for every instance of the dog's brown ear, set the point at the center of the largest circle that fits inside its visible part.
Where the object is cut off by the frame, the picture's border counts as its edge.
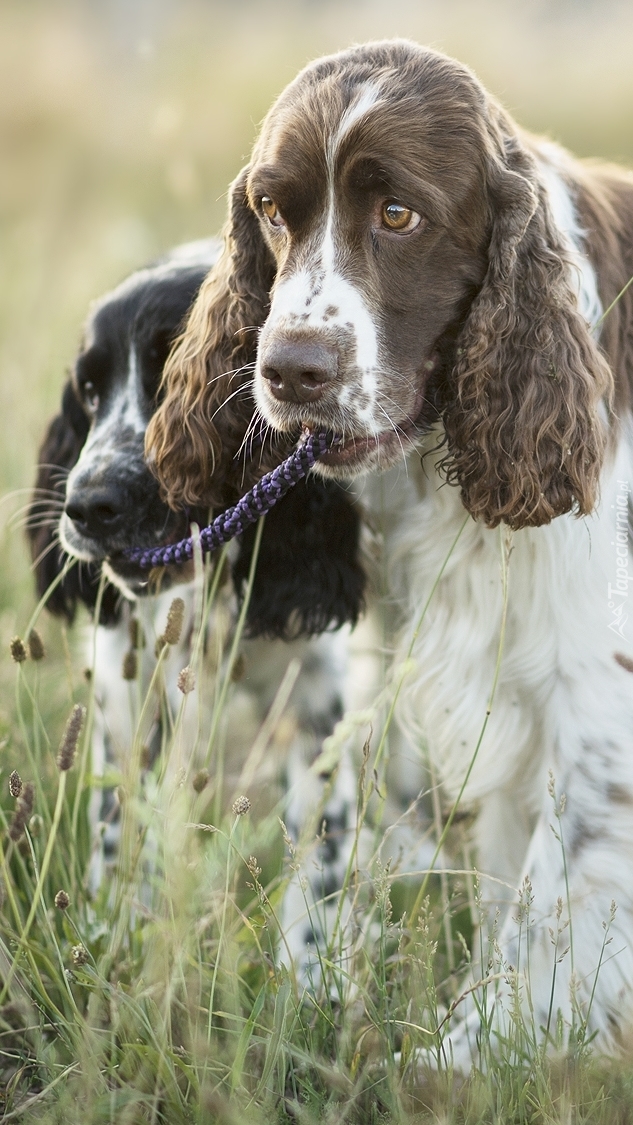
(202, 420)
(525, 438)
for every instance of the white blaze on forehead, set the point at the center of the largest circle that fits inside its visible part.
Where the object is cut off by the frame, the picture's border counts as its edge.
(368, 96)
(125, 412)
(133, 412)
(319, 297)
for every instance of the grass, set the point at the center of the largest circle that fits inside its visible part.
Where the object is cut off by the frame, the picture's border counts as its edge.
(162, 998)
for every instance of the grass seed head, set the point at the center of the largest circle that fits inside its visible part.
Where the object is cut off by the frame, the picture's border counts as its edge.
(62, 900)
(15, 784)
(186, 680)
(129, 670)
(23, 812)
(253, 866)
(36, 646)
(68, 744)
(175, 618)
(200, 780)
(135, 631)
(17, 649)
(79, 954)
(240, 806)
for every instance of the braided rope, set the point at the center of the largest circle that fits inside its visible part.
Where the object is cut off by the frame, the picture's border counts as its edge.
(260, 499)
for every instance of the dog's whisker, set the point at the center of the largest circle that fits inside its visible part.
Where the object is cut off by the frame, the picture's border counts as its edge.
(249, 435)
(33, 525)
(397, 430)
(244, 389)
(54, 544)
(33, 519)
(61, 470)
(232, 373)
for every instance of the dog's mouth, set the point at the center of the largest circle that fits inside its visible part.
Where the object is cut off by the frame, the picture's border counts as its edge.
(120, 562)
(114, 555)
(361, 448)
(371, 448)
(378, 449)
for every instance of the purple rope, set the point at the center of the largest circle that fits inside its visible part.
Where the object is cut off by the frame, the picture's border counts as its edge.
(260, 499)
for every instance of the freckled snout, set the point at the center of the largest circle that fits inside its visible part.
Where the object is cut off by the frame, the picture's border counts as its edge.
(298, 370)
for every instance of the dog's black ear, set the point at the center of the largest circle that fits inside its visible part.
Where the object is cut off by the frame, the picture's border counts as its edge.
(309, 575)
(63, 442)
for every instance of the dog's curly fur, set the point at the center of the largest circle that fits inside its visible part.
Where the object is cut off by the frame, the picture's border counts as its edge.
(525, 439)
(203, 420)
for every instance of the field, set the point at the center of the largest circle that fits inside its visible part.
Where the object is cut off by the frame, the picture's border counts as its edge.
(121, 126)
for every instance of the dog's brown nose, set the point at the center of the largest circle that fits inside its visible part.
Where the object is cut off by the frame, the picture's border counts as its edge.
(298, 371)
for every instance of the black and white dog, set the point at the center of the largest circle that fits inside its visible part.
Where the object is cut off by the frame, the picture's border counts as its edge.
(95, 497)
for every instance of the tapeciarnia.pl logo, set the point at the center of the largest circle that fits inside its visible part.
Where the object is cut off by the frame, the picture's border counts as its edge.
(618, 591)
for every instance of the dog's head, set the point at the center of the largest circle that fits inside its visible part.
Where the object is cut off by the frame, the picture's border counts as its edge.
(95, 495)
(392, 239)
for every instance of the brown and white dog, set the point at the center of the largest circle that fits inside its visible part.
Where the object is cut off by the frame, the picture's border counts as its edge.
(428, 278)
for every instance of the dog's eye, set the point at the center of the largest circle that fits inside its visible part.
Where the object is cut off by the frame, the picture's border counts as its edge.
(90, 396)
(395, 216)
(269, 207)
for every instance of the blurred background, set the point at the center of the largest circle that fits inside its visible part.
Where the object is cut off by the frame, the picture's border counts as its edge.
(123, 121)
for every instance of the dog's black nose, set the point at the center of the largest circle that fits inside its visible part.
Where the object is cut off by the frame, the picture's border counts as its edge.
(298, 371)
(96, 512)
